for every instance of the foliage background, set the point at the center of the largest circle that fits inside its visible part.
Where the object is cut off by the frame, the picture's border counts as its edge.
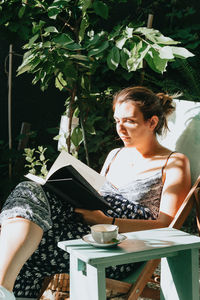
(177, 19)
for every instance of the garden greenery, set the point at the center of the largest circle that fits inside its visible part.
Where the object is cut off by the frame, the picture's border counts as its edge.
(72, 43)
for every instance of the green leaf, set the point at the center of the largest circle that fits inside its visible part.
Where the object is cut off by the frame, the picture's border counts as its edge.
(23, 69)
(77, 136)
(73, 46)
(21, 11)
(124, 56)
(63, 39)
(155, 36)
(70, 71)
(83, 27)
(60, 83)
(165, 52)
(37, 27)
(53, 12)
(79, 57)
(33, 39)
(155, 62)
(120, 42)
(113, 58)
(137, 55)
(94, 40)
(181, 52)
(101, 9)
(99, 49)
(85, 4)
(50, 29)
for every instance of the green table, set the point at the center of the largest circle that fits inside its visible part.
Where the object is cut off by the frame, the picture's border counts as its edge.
(179, 253)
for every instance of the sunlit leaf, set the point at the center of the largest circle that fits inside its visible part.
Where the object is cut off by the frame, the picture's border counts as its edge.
(166, 52)
(51, 29)
(181, 52)
(60, 83)
(155, 62)
(53, 12)
(120, 42)
(155, 36)
(33, 39)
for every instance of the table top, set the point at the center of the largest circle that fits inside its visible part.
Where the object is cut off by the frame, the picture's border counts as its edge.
(139, 246)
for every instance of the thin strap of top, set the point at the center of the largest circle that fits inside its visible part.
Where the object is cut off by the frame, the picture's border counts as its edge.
(163, 168)
(108, 167)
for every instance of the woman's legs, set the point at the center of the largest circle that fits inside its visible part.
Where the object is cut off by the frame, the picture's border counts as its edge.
(19, 238)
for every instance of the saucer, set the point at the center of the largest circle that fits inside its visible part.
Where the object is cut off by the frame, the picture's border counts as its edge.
(89, 239)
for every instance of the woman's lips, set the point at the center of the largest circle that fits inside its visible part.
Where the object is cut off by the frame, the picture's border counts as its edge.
(125, 137)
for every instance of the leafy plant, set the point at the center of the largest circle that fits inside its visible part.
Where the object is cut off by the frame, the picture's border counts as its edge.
(73, 44)
(35, 159)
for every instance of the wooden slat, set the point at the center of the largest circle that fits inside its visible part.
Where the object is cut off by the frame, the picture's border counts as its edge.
(197, 202)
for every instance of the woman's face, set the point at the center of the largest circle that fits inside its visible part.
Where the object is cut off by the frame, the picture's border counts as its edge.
(130, 124)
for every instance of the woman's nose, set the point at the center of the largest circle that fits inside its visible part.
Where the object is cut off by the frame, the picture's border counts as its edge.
(121, 126)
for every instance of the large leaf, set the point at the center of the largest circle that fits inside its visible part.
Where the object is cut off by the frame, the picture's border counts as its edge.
(101, 9)
(53, 12)
(165, 52)
(181, 52)
(120, 42)
(113, 58)
(98, 49)
(124, 56)
(77, 136)
(156, 63)
(33, 39)
(63, 39)
(155, 36)
(137, 56)
(83, 27)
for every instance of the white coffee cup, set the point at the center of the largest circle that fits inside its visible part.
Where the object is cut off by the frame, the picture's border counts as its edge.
(104, 233)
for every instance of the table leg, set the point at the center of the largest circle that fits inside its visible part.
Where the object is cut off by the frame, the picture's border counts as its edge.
(180, 276)
(86, 282)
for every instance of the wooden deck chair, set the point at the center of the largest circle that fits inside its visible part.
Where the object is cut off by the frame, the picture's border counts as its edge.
(137, 288)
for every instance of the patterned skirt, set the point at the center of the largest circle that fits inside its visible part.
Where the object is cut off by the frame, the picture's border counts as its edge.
(59, 222)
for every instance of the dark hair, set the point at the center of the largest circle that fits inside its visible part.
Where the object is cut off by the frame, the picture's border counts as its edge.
(150, 104)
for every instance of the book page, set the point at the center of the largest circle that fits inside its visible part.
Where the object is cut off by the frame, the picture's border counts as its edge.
(64, 159)
(35, 178)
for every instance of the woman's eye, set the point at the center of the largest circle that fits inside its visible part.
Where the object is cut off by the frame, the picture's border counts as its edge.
(130, 121)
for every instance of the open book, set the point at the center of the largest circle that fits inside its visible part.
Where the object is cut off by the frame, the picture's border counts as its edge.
(74, 182)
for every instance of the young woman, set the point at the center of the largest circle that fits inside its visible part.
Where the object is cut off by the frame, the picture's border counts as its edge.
(146, 184)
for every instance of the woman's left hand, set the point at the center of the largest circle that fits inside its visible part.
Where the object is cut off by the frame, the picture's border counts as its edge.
(92, 217)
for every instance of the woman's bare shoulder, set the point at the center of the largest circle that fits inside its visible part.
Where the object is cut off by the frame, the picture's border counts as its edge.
(178, 164)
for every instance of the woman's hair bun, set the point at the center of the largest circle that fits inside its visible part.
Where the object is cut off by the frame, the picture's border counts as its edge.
(166, 102)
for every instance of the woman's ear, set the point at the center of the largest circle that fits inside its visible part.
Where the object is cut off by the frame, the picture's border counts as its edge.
(153, 122)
